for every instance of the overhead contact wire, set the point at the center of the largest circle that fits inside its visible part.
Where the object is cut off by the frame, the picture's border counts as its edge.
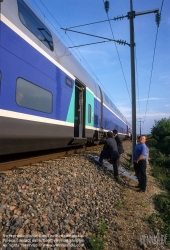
(153, 63)
(87, 65)
(73, 44)
(118, 55)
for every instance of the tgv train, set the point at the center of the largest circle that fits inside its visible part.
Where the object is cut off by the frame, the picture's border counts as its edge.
(47, 99)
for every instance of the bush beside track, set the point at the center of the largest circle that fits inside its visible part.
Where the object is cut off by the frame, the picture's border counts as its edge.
(159, 148)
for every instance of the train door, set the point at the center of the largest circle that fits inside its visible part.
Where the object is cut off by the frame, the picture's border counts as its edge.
(101, 108)
(79, 118)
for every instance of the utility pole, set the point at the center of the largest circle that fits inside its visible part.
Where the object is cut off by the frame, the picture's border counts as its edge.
(140, 124)
(131, 15)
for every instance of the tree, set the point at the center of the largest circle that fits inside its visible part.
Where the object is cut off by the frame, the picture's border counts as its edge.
(161, 129)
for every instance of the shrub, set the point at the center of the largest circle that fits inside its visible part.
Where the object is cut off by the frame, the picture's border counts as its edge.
(161, 129)
(162, 202)
(153, 152)
(96, 243)
(102, 228)
(162, 174)
(151, 142)
(167, 139)
(162, 160)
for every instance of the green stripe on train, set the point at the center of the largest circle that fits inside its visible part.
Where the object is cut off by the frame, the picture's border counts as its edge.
(70, 114)
(89, 100)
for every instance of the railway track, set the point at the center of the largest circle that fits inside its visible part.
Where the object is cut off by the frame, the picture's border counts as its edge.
(24, 161)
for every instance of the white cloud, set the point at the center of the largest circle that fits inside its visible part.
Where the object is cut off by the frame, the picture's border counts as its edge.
(151, 99)
(165, 78)
(158, 115)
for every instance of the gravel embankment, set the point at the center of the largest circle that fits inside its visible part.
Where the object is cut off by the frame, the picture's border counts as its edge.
(56, 202)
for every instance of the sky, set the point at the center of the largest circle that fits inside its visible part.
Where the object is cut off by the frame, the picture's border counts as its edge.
(109, 63)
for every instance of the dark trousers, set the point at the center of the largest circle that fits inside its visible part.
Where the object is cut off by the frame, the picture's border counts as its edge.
(140, 171)
(115, 166)
(136, 169)
(105, 155)
(118, 162)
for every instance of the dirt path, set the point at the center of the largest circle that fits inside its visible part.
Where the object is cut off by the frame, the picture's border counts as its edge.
(129, 225)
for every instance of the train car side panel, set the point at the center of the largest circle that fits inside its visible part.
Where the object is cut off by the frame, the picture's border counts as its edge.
(112, 121)
(18, 62)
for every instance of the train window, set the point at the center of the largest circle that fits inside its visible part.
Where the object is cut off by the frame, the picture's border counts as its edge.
(31, 96)
(96, 119)
(106, 98)
(0, 80)
(89, 113)
(69, 82)
(33, 23)
(111, 104)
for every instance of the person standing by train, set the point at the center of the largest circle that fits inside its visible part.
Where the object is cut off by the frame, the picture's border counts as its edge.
(139, 158)
(135, 165)
(147, 150)
(119, 143)
(110, 152)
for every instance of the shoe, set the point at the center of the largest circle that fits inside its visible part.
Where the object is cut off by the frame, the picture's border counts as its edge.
(141, 191)
(116, 178)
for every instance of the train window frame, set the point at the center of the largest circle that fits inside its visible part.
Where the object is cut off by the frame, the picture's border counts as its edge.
(28, 98)
(40, 32)
(89, 113)
(69, 82)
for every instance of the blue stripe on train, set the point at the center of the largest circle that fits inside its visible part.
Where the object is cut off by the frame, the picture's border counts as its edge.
(110, 120)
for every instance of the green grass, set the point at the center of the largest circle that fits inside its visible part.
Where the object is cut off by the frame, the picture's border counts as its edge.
(162, 175)
(161, 221)
(118, 205)
(102, 228)
(96, 241)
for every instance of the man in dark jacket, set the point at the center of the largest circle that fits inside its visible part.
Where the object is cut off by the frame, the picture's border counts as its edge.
(110, 152)
(119, 143)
